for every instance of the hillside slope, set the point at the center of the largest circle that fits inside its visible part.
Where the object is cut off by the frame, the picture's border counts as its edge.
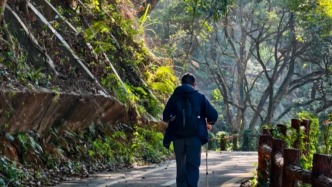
(76, 83)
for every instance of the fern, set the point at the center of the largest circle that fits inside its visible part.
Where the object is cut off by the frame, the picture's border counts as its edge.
(162, 80)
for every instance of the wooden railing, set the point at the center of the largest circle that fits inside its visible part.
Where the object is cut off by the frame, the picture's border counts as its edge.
(278, 166)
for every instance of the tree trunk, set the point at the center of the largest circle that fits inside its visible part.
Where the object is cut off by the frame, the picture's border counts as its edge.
(2, 11)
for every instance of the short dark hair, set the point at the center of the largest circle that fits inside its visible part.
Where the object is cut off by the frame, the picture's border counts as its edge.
(188, 78)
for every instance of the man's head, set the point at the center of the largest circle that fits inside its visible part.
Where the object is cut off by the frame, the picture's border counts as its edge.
(188, 78)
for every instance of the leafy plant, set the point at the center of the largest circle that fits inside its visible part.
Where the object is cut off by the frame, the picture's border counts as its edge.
(12, 174)
(254, 181)
(224, 142)
(147, 145)
(28, 143)
(327, 135)
(312, 147)
(143, 19)
(162, 80)
(110, 81)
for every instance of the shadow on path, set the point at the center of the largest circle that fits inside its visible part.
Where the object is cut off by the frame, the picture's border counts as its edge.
(225, 169)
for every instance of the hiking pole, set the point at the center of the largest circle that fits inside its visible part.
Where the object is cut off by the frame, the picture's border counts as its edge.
(206, 157)
(206, 162)
(208, 126)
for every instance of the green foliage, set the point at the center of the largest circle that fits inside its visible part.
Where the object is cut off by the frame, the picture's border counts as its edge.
(18, 65)
(110, 81)
(326, 7)
(123, 94)
(113, 34)
(161, 79)
(216, 94)
(174, 31)
(306, 160)
(110, 32)
(100, 34)
(207, 8)
(176, 23)
(12, 174)
(67, 152)
(138, 98)
(147, 145)
(254, 181)
(293, 136)
(113, 148)
(101, 148)
(120, 146)
(154, 106)
(315, 16)
(327, 135)
(28, 143)
(143, 19)
(222, 141)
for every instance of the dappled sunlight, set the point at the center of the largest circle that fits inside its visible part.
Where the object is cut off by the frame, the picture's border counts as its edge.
(83, 85)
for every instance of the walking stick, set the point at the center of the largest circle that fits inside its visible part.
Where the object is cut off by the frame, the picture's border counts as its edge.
(208, 126)
(206, 162)
(206, 157)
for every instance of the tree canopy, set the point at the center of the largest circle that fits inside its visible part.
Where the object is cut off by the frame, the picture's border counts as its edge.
(268, 59)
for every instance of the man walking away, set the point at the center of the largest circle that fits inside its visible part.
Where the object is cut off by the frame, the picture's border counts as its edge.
(189, 116)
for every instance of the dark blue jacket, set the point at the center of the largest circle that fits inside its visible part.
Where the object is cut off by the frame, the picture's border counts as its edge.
(208, 113)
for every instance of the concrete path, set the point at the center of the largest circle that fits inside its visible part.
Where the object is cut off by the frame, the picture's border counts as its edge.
(225, 169)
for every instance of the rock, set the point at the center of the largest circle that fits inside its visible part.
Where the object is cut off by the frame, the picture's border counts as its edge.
(41, 110)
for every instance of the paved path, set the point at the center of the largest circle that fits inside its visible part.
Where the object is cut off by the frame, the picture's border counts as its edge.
(225, 169)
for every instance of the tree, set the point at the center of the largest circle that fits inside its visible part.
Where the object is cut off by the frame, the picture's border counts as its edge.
(266, 36)
(176, 24)
(260, 55)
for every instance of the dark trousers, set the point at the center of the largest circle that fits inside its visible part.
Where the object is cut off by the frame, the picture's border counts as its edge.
(188, 159)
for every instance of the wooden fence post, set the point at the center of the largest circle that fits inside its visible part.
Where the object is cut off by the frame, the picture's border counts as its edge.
(306, 125)
(277, 162)
(264, 159)
(282, 129)
(296, 125)
(291, 157)
(321, 170)
(266, 132)
(222, 144)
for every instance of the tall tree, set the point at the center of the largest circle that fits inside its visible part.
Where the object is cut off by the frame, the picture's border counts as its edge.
(263, 54)
(265, 57)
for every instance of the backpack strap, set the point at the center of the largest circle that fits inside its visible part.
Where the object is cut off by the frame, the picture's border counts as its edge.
(196, 109)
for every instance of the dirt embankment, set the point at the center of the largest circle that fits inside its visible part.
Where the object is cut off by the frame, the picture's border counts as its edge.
(59, 111)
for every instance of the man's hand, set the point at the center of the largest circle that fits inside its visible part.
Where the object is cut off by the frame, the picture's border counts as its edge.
(166, 145)
(208, 126)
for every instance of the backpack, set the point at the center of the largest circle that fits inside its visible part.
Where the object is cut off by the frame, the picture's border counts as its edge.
(185, 120)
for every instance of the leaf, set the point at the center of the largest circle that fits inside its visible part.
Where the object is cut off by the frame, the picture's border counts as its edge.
(95, 29)
(326, 5)
(103, 46)
(9, 137)
(35, 146)
(22, 139)
(140, 90)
